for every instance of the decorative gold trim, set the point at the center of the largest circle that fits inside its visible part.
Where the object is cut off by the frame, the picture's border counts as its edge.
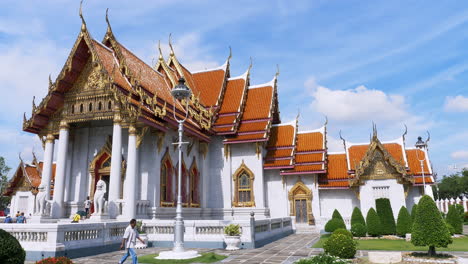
(132, 130)
(191, 183)
(203, 149)
(141, 135)
(243, 168)
(50, 138)
(64, 125)
(162, 202)
(306, 194)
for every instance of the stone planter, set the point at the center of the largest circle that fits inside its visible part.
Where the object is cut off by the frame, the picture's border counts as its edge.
(143, 237)
(232, 242)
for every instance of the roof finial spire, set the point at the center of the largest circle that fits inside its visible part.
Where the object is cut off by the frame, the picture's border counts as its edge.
(21, 159)
(34, 157)
(83, 23)
(428, 138)
(277, 71)
(326, 121)
(404, 133)
(298, 113)
(230, 53)
(344, 141)
(374, 130)
(160, 51)
(170, 45)
(109, 28)
(251, 62)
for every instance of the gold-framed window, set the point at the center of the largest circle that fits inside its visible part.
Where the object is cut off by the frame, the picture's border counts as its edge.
(244, 191)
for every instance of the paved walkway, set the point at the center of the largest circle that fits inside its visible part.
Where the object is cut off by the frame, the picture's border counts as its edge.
(286, 250)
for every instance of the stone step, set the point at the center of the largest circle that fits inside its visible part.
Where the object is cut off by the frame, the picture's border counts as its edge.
(306, 229)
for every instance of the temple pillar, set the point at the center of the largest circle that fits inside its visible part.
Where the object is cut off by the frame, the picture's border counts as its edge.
(59, 185)
(48, 159)
(116, 168)
(129, 210)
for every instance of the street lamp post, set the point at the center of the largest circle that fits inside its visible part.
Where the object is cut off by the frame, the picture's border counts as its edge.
(180, 92)
(421, 145)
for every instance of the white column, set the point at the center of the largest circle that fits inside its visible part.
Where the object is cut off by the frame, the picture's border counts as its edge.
(59, 185)
(465, 206)
(129, 210)
(48, 159)
(116, 167)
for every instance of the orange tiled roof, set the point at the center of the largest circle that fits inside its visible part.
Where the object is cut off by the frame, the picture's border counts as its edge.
(306, 158)
(413, 163)
(249, 137)
(233, 96)
(284, 152)
(258, 104)
(419, 180)
(253, 126)
(109, 62)
(33, 176)
(278, 163)
(281, 136)
(209, 84)
(337, 172)
(356, 153)
(309, 141)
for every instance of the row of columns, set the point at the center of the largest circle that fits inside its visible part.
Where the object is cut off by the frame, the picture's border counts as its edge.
(129, 201)
(444, 204)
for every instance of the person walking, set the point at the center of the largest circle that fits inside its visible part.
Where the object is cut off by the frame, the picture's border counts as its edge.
(8, 220)
(21, 219)
(129, 241)
(87, 205)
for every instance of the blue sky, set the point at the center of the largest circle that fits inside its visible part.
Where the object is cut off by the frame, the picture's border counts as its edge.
(391, 62)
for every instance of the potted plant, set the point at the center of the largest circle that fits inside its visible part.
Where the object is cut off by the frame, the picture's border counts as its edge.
(143, 236)
(232, 236)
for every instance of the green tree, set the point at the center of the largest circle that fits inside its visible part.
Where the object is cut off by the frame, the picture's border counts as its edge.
(452, 186)
(404, 222)
(454, 219)
(357, 217)
(373, 223)
(413, 212)
(429, 228)
(337, 215)
(385, 213)
(4, 169)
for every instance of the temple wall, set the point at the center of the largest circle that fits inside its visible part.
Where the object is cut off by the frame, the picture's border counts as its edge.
(219, 189)
(342, 199)
(276, 193)
(23, 202)
(394, 191)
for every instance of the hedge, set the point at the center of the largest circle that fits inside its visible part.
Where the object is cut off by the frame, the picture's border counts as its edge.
(413, 212)
(385, 213)
(454, 219)
(357, 217)
(429, 229)
(373, 223)
(11, 251)
(343, 232)
(404, 222)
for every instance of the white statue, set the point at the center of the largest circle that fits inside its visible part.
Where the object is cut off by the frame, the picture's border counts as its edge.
(41, 200)
(99, 200)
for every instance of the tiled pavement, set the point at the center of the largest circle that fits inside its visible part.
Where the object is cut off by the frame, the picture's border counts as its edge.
(286, 250)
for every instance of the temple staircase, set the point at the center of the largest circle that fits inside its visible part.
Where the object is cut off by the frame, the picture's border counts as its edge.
(306, 229)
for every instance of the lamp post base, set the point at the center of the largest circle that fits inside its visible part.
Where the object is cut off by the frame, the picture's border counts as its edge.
(178, 255)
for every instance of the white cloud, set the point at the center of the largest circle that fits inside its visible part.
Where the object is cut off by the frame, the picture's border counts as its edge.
(356, 104)
(334, 144)
(457, 103)
(461, 154)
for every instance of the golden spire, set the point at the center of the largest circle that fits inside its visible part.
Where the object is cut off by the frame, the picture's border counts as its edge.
(160, 51)
(83, 23)
(109, 28)
(170, 45)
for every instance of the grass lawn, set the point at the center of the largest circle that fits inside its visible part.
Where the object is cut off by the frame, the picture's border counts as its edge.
(204, 258)
(459, 244)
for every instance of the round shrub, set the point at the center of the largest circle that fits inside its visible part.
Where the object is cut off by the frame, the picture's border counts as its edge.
(454, 219)
(11, 251)
(450, 228)
(404, 222)
(341, 246)
(359, 230)
(343, 232)
(373, 223)
(334, 224)
(429, 228)
(385, 213)
(357, 217)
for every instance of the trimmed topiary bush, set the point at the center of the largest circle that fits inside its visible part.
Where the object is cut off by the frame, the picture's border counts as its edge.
(454, 219)
(343, 232)
(404, 222)
(429, 228)
(374, 226)
(413, 212)
(385, 213)
(358, 230)
(341, 246)
(11, 251)
(450, 228)
(337, 215)
(357, 217)
(334, 224)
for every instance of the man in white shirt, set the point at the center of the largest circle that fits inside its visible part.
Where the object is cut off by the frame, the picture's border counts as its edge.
(87, 205)
(129, 240)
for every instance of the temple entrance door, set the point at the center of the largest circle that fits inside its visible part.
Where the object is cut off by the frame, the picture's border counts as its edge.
(301, 210)
(300, 203)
